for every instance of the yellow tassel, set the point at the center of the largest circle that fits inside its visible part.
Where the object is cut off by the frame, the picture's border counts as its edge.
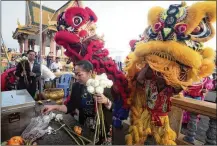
(157, 138)
(134, 111)
(136, 134)
(140, 129)
(148, 131)
(130, 129)
(129, 139)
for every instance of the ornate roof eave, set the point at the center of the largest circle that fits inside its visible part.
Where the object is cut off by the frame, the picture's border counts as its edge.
(45, 28)
(29, 29)
(52, 27)
(68, 4)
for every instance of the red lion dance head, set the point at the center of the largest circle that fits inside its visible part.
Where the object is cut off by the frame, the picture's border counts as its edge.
(76, 33)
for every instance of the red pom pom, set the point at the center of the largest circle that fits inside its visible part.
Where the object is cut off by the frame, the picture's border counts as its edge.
(132, 43)
(158, 26)
(83, 33)
(181, 28)
(92, 15)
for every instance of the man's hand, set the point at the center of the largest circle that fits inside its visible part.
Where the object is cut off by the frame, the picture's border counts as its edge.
(23, 73)
(32, 74)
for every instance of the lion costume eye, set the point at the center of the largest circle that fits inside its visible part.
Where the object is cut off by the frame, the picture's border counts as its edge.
(77, 20)
(203, 30)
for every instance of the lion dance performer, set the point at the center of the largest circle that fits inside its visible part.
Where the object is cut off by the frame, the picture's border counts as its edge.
(197, 91)
(76, 33)
(168, 58)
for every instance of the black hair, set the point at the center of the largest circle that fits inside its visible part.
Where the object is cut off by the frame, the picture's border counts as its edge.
(86, 65)
(30, 51)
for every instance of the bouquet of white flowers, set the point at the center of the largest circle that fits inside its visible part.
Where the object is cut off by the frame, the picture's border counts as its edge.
(22, 62)
(96, 85)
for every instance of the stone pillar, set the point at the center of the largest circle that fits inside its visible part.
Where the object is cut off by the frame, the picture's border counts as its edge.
(20, 41)
(43, 43)
(211, 132)
(26, 42)
(192, 129)
(32, 44)
(29, 44)
(52, 43)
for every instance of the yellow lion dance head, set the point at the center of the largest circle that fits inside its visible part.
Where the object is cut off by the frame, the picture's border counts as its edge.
(171, 45)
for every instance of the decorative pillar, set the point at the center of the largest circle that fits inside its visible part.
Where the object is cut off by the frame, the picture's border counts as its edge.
(29, 44)
(52, 42)
(25, 36)
(20, 41)
(192, 124)
(32, 44)
(43, 43)
(58, 48)
(211, 132)
(192, 128)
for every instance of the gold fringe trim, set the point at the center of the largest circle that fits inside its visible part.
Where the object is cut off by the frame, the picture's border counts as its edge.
(138, 133)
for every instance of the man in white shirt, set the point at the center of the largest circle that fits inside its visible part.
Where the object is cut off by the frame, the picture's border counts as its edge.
(56, 66)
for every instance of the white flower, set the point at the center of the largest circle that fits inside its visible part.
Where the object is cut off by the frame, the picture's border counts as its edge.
(109, 84)
(49, 130)
(24, 58)
(91, 89)
(59, 117)
(89, 82)
(99, 90)
(97, 77)
(95, 83)
(103, 83)
(18, 59)
(104, 76)
(46, 118)
(52, 115)
(98, 84)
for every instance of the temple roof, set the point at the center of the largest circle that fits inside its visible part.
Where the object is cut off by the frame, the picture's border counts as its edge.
(27, 29)
(64, 7)
(49, 18)
(33, 10)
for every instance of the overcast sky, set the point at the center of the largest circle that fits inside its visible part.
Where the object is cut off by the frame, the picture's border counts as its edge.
(119, 21)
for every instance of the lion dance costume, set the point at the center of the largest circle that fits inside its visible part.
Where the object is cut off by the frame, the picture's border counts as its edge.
(168, 58)
(76, 33)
